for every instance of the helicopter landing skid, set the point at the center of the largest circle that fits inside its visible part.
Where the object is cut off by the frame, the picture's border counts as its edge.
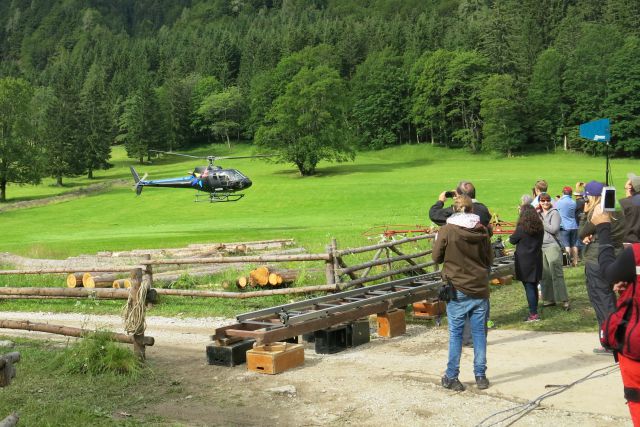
(221, 198)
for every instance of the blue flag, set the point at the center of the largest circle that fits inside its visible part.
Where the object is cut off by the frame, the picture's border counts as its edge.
(597, 130)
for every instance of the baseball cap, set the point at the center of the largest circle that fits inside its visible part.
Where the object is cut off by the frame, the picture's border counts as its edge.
(635, 181)
(593, 188)
(567, 190)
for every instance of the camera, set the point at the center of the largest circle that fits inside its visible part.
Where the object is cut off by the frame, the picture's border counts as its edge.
(608, 199)
(449, 194)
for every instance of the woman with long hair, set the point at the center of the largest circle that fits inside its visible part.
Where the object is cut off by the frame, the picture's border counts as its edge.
(601, 295)
(554, 289)
(528, 237)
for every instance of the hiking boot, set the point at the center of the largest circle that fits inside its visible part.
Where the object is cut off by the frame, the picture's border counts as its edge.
(566, 306)
(452, 383)
(602, 350)
(532, 318)
(482, 383)
(548, 304)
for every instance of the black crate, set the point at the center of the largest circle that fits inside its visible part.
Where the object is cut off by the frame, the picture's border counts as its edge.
(358, 333)
(331, 340)
(229, 355)
(309, 337)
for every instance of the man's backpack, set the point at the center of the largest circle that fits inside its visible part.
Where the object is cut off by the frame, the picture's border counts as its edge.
(621, 331)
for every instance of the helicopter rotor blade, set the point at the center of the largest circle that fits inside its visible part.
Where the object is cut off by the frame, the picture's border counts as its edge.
(243, 157)
(179, 154)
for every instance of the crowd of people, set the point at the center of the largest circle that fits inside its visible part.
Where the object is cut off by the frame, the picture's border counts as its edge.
(550, 232)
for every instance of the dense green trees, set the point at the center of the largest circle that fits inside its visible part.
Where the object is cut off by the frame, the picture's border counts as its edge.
(306, 123)
(18, 151)
(504, 75)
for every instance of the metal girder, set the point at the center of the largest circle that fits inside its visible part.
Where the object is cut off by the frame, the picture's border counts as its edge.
(289, 320)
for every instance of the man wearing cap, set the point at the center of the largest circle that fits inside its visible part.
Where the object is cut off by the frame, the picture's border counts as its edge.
(568, 225)
(631, 209)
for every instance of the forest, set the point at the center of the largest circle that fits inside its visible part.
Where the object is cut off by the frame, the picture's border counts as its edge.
(310, 80)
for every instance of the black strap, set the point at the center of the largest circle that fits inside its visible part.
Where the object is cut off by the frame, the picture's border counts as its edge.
(632, 394)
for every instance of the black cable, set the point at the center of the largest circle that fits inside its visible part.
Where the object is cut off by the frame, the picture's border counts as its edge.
(525, 408)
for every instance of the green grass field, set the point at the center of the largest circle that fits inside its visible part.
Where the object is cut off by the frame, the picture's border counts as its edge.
(393, 186)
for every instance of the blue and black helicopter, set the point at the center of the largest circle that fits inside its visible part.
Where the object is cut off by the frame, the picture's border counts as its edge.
(221, 184)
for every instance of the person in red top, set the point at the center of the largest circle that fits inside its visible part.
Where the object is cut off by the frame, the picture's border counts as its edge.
(620, 272)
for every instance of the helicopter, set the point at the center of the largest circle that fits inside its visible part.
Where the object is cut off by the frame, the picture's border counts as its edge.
(221, 184)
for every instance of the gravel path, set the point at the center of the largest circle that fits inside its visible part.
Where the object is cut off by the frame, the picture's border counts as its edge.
(385, 382)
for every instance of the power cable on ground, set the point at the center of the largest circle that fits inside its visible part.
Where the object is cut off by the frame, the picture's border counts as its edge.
(520, 411)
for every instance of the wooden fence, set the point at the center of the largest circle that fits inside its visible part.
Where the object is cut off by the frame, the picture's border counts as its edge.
(338, 276)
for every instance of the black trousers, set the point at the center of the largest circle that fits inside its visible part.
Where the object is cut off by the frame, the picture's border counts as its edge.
(601, 294)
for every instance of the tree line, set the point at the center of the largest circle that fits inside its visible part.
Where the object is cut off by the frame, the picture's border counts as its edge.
(309, 79)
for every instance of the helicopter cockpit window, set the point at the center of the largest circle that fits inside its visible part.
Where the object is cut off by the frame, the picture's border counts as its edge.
(230, 174)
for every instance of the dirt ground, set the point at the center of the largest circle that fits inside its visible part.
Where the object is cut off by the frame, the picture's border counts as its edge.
(385, 382)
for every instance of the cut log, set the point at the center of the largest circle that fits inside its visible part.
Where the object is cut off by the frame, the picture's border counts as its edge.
(279, 277)
(259, 276)
(75, 293)
(96, 280)
(242, 282)
(122, 283)
(65, 330)
(74, 280)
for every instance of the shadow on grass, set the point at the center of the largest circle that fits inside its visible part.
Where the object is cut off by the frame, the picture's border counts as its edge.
(348, 168)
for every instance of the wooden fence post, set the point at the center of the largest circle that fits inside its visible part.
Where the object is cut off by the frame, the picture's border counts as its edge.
(148, 271)
(328, 265)
(335, 260)
(138, 307)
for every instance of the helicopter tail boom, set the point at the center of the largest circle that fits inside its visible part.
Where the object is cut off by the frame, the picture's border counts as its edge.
(136, 178)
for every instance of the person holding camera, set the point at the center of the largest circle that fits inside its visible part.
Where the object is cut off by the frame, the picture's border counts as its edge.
(463, 246)
(620, 273)
(601, 296)
(539, 187)
(439, 214)
(528, 237)
(554, 289)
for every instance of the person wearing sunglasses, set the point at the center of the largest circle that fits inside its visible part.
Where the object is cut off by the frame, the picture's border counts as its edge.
(601, 296)
(554, 289)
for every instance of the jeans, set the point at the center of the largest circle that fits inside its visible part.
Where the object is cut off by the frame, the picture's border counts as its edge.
(531, 291)
(601, 295)
(457, 311)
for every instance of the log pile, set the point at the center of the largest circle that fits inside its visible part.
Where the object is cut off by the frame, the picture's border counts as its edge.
(265, 276)
(97, 280)
(203, 250)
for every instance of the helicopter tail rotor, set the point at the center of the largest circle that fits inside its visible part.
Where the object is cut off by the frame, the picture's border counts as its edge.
(139, 183)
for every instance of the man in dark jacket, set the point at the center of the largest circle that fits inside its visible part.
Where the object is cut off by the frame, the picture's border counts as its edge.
(631, 209)
(463, 245)
(439, 214)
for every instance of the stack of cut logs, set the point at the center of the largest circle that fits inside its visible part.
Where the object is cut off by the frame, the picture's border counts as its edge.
(97, 280)
(265, 276)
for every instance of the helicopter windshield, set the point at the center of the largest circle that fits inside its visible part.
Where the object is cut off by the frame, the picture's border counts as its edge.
(231, 174)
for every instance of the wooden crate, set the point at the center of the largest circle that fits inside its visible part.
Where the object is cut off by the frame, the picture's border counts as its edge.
(391, 324)
(275, 358)
(505, 280)
(429, 309)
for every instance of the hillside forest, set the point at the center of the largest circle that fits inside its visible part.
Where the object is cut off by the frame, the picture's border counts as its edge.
(310, 80)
